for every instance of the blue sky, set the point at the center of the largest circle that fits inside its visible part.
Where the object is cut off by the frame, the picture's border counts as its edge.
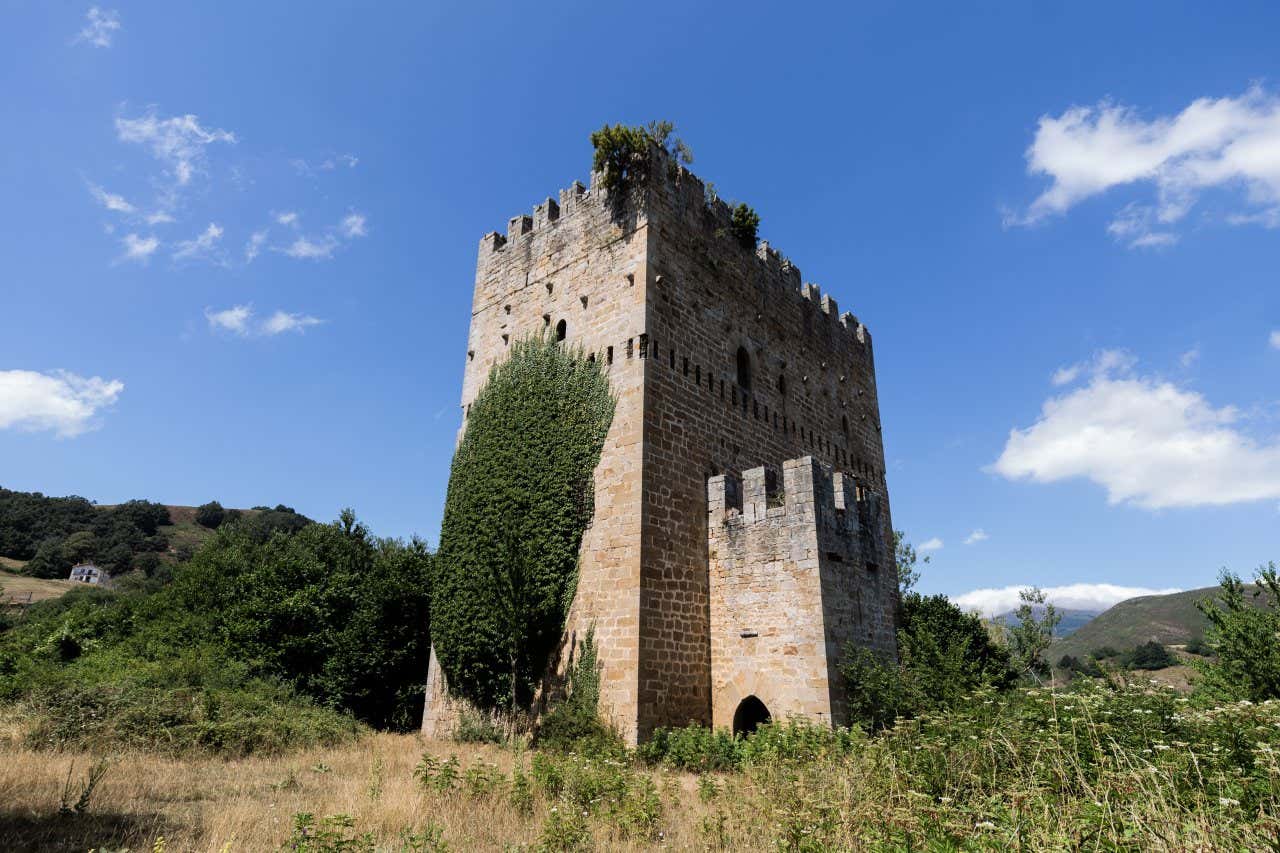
(238, 246)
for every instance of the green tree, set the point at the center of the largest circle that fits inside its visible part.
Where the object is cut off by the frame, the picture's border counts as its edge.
(522, 473)
(906, 559)
(1031, 633)
(210, 515)
(1245, 637)
(944, 654)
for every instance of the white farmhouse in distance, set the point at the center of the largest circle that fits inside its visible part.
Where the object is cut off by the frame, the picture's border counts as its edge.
(87, 573)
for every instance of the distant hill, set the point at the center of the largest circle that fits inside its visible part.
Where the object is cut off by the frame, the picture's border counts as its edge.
(1167, 619)
(43, 537)
(1072, 620)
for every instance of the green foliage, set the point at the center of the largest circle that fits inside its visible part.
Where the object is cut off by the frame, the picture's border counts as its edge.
(1246, 637)
(702, 750)
(621, 156)
(906, 559)
(744, 224)
(478, 727)
(210, 515)
(575, 723)
(1073, 666)
(622, 152)
(1030, 634)
(332, 834)
(520, 495)
(53, 534)
(1149, 655)
(1105, 653)
(256, 645)
(944, 655)
(1199, 646)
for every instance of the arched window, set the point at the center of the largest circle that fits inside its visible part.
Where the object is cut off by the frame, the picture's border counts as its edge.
(744, 369)
(562, 330)
(844, 424)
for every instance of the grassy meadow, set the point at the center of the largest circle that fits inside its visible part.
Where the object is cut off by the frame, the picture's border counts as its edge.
(1101, 767)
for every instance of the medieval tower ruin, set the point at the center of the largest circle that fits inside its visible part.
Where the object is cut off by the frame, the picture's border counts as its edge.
(741, 536)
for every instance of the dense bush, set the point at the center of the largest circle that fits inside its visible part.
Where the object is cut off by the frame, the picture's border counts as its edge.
(253, 644)
(944, 654)
(1246, 638)
(54, 534)
(1149, 655)
(744, 225)
(210, 515)
(519, 498)
(575, 724)
(700, 749)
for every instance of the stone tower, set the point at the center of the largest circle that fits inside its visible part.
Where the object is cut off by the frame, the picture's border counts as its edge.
(719, 591)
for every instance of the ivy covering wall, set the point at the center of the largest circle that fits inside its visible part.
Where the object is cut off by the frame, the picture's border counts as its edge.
(520, 497)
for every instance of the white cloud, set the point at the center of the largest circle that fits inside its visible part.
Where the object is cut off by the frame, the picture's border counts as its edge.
(100, 27)
(976, 536)
(1213, 143)
(328, 164)
(1190, 357)
(1076, 596)
(289, 218)
(159, 218)
(179, 142)
(281, 321)
(353, 225)
(934, 544)
(254, 246)
(1274, 339)
(139, 248)
(1066, 375)
(111, 201)
(234, 319)
(308, 249)
(1146, 441)
(59, 401)
(200, 246)
(241, 321)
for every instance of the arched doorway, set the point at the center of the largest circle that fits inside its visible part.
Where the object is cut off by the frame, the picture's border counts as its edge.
(751, 714)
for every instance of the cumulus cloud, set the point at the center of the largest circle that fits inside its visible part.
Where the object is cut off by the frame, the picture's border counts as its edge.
(1274, 339)
(1148, 442)
(307, 248)
(111, 201)
(1190, 357)
(241, 321)
(200, 246)
(289, 218)
(100, 27)
(353, 226)
(1076, 596)
(234, 319)
(976, 536)
(61, 402)
(178, 142)
(282, 321)
(139, 248)
(934, 544)
(254, 246)
(1224, 143)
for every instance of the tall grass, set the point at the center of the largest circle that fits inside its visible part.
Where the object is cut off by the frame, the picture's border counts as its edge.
(1131, 768)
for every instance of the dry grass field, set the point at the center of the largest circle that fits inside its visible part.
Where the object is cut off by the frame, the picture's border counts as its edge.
(210, 804)
(22, 590)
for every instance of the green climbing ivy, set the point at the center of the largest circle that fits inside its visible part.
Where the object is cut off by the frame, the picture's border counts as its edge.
(520, 496)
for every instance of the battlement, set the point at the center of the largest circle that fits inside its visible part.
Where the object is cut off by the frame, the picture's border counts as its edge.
(806, 490)
(671, 183)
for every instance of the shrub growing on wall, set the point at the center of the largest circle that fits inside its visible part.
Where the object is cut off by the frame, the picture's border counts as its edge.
(519, 499)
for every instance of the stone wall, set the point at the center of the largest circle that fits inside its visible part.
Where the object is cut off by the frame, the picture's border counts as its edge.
(790, 585)
(721, 361)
